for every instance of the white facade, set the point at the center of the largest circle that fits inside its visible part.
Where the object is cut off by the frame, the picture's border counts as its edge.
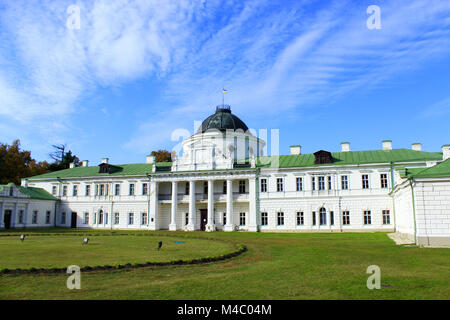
(339, 196)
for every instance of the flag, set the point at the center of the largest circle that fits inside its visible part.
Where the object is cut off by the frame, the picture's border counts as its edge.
(224, 91)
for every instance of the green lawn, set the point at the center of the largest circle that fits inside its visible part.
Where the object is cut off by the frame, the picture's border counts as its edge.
(62, 251)
(276, 266)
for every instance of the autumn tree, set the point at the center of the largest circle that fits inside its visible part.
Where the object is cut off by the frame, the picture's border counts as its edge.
(16, 164)
(162, 156)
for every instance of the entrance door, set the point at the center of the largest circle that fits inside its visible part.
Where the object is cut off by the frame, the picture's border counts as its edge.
(203, 219)
(7, 219)
(74, 220)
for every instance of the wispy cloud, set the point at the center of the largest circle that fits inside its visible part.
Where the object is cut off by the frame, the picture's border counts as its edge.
(437, 109)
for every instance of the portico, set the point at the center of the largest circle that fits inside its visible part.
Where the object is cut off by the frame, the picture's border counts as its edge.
(221, 195)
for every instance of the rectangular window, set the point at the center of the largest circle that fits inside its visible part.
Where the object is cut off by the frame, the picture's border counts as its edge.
(241, 186)
(116, 218)
(313, 183)
(264, 219)
(386, 217)
(63, 217)
(224, 218)
(75, 191)
(86, 218)
(131, 218)
(365, 181)
(87, 190)
(131, 189)
(102, 189)
(321, 183)
(331, 218)
(205, 187)
(242, 219)
(280, 218)
(34, 218)
(344, 182)
(117, 189)
(21, 217)
(329, 183)
(323, 217)
(64, 191)
(300, 219)
(54, 190)
(263, 185)
(47, 217)
(144, 218)
(106, 217)
(345, 217)
(367, 217)
(280, 185)
(144, 189)
(186, 188)
(299, 184)
(384, 180)
(186, 219)
(313, 218)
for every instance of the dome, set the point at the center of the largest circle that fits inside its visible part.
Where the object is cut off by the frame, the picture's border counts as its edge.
(222, 120)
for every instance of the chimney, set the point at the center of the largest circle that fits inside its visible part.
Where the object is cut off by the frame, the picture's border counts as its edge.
(71, 165)
(85, 163)
(387, 144)
(446, 152)
(345, 146)
(149, 159)
(416, 146)
(105, 160)
(296, 150)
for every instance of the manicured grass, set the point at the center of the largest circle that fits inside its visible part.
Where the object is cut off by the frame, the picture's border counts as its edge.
(276, 266)
(64, 250)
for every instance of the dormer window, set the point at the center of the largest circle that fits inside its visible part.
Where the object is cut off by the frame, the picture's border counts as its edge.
(322, 157)
(104, 168)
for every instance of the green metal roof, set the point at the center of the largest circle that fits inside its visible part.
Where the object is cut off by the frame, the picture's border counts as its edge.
(34, 193)
(350, 158)
(92, 171)
(285, 161)
(440, 170)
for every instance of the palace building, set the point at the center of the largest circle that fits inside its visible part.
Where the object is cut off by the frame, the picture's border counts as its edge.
(223, 181)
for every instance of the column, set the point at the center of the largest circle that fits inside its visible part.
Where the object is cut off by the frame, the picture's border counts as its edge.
(25, 218)
(210, 225)
(229, 225)
(253, 205)
(173, 216)
(153, 219)
(191, 224)
(1, 215)
(13, 216)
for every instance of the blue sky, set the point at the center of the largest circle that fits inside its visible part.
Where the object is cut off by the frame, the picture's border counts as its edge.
(136, 71)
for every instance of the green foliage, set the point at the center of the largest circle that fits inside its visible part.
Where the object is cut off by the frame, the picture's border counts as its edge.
(162, 156)
(67, 159)
(16, 164)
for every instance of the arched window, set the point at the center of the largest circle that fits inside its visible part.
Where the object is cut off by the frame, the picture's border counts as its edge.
(323, 216)
(100, 217)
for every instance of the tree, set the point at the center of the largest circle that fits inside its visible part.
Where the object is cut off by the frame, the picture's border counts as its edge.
(162, 156)
(58, 154)
(65, 160)
(16, 164)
